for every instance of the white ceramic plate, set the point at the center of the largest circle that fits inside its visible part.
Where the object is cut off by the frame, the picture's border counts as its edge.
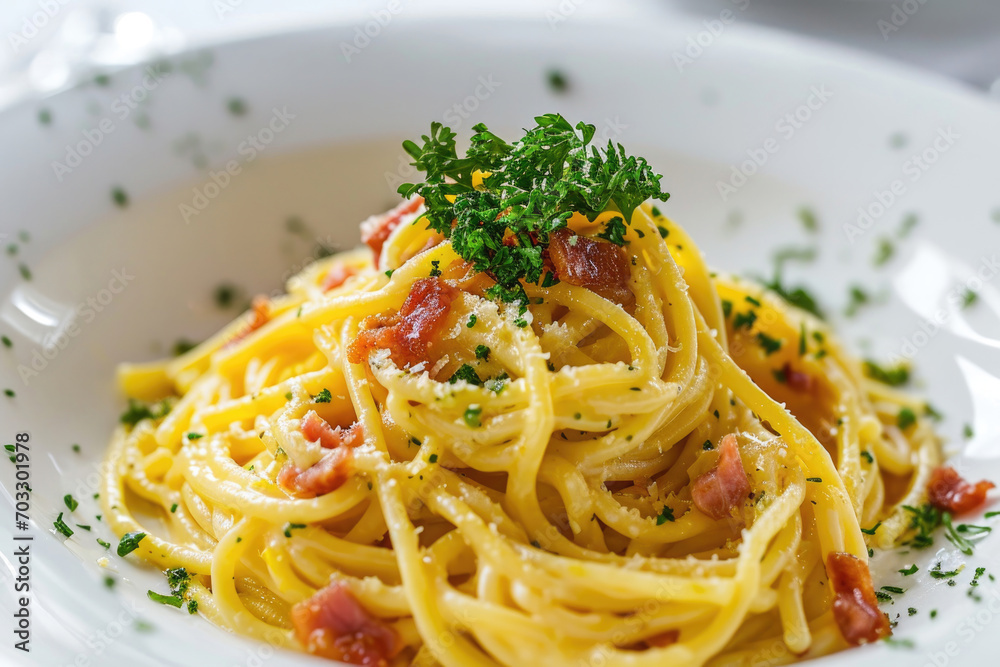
(329, 133)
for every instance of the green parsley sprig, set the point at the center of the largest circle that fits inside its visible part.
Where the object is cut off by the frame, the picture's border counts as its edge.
(529, 189)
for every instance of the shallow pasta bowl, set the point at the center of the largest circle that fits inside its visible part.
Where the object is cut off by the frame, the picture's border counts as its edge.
(132, 225)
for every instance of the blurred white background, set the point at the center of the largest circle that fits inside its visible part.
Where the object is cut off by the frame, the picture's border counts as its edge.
(49, 43)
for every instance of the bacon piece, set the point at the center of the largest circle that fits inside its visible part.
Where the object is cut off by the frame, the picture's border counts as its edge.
(720, 490)
(376, 229)
(315, 428)
(337, 275)
(600, 266)
(855, 607)
(664, 639)
(948, 492)
(259, 317)
(326, 475)
(332, 624)
(407, 334)
(330, 472)
(797, 380)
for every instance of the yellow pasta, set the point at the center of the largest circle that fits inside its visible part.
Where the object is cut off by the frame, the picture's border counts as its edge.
(545, 516)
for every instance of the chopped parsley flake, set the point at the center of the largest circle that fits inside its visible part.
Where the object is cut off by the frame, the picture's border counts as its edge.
(472, 320)
(963, 534)
(130, 542)
(225, 295)
(323, 397)
(182, 346)
(938, 574)
(172, 600)
(482, 352)
(905, 419)
(472, 416)
(969, 298)
(925, 521)
(614, 231)
(857, 298)
(119, 197)
(666, 514)
(468, 374)
(744, 320)
(432, 458)
(884, 252)
(557, 81)
(910, 221)
(908, 571)
(798, 296)
(871, 531)
(236, 106)
(770, 345)
(70, 502)
(61, 526)
(894, 376)
(289, 527)
(808, 219)
(137, 411)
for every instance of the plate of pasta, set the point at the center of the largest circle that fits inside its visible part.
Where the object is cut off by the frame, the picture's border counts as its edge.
(517, 372)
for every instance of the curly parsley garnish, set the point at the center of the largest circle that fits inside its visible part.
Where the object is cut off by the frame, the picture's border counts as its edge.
(528, 190)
